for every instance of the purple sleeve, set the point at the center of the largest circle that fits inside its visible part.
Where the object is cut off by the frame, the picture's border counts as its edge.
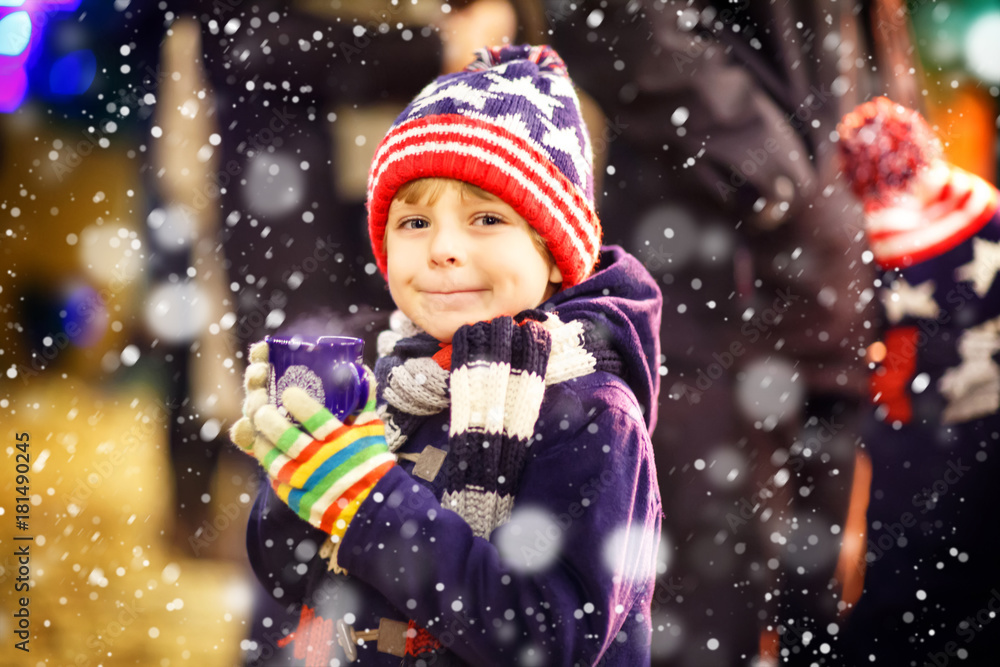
(567, 576)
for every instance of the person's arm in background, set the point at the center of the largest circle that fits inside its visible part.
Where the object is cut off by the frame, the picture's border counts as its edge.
(674, 81)
(320, 58)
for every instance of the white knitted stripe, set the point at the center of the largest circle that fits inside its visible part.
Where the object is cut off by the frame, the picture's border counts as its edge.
(279, 462)
(509, 400)
(301, 442)
(896, 246)
(386, 342)
(569, 358)
(273, 426)
(484, 511)
(388, 153)
(525, 392)
(478, 396)
(400, 326)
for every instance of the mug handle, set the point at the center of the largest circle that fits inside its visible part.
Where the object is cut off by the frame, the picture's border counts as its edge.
(363, 387)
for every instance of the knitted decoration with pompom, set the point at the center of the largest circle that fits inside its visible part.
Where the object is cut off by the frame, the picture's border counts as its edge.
(917, 205)
(882, 147)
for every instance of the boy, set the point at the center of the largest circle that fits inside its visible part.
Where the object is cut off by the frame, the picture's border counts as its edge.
(510, 513)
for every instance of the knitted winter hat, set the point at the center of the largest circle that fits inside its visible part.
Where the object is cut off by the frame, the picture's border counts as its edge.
(917, 205)
(510, 123)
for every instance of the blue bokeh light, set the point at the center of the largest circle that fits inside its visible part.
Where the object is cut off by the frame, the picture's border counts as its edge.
(73, 73)
(84, 316)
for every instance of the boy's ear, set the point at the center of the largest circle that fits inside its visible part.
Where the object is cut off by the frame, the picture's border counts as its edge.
(555, 275)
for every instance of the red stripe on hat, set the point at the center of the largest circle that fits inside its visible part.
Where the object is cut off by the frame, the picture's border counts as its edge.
(906, 248)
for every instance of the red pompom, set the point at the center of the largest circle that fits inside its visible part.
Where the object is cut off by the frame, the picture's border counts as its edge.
(882, 147)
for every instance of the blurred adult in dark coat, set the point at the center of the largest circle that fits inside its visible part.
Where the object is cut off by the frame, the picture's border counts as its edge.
(721, 158)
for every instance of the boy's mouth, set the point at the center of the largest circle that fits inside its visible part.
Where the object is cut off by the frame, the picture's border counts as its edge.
(453, 298)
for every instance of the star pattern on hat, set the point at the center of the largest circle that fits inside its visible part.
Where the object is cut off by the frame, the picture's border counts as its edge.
(983, 268)
(461, 94)
(903, 299)
(546, 119)
(523, 88)
(565, 140)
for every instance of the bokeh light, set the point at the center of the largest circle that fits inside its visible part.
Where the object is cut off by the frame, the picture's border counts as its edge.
(15, 34)
(274, 184)
(84, 316)
(73, 73)
(770, 391)
(531, 541)
(982, 47)
(177, 312)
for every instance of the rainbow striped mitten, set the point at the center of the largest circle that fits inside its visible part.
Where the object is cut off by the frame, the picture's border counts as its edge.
(325, 470)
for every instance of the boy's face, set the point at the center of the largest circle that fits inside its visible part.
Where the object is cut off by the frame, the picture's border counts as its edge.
(462, 260)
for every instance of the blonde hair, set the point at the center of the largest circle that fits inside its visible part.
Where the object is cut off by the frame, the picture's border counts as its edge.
(428, 190)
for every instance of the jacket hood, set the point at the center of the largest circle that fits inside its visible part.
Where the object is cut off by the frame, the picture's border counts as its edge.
(622, 296)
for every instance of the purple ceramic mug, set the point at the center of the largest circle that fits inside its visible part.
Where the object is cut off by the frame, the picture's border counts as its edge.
(328, 368)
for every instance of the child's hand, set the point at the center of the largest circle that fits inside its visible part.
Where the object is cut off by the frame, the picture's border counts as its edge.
(255, 380)
(325, 470)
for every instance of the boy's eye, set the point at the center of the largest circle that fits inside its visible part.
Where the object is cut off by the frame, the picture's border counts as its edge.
(489, 219)
(413, 223)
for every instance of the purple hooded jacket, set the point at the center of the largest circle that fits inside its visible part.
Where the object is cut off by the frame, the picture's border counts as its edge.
(589, 493)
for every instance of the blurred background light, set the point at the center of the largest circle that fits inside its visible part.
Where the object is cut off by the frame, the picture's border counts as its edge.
(15, 33)
(84, 316)
(110, 255)
(982, 47)
(24, 49)
(13, 86)
(177, 312)
(73, 73)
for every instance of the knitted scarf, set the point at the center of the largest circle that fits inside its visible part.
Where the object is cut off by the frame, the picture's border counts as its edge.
(493, 378)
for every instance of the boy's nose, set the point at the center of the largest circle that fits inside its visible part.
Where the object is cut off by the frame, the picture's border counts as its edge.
(446, 248)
